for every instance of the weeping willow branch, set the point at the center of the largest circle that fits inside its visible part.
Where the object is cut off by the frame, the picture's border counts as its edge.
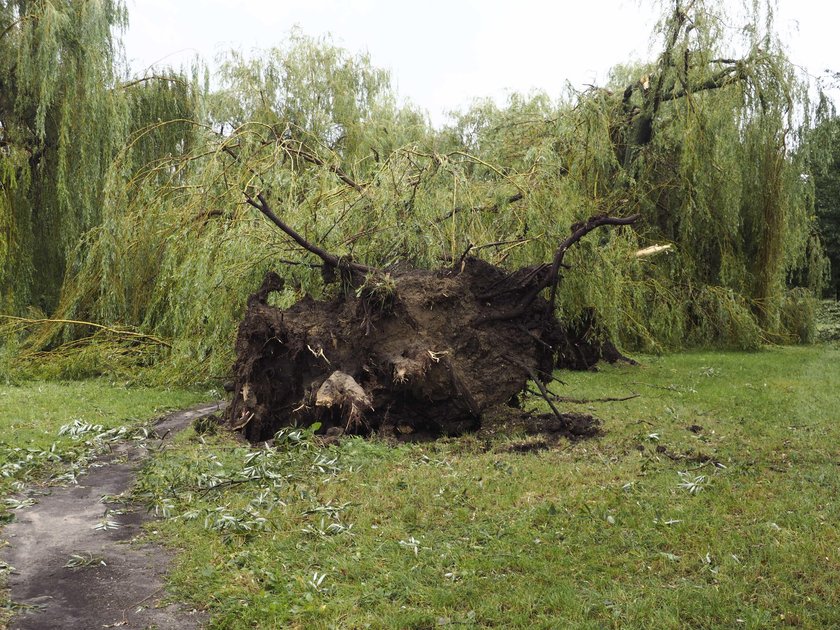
(154, 77)
(309, 156)
(299, 149)
(26, 322)
(662, 86)
(491, 208)
(17, 22)
(261, 204)
(579, 230)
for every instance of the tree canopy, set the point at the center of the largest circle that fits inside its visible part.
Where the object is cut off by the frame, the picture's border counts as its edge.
(57, 66)
(825, 143)
(64, 114)
(702, 141)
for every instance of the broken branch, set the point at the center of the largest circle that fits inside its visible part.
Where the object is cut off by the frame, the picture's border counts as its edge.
(585, 401)
(579, 230)
(330, 259)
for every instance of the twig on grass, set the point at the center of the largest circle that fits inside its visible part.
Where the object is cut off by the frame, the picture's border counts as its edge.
(586, 401)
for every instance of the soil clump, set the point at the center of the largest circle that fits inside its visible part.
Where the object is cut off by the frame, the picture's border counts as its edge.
(416, 353)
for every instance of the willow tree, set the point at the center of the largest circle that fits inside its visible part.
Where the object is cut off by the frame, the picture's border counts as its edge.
(702, 141)
(824, 153)
(699, 142)
(177, 252)
(705, 139)
(65, 112)
(59, 127)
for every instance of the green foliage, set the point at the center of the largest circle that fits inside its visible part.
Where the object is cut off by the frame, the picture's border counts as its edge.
(177, 251)
(700, 142)
(824, 144)
(59, 125)
(64, 115)
(717, 175)
(714, 504)
(828, 321)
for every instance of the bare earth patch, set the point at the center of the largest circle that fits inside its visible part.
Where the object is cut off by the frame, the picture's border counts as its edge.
(74, 562)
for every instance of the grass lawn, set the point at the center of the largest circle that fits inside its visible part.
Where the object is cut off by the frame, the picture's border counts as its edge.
(49, 433)
(710, 501)
(32, 414)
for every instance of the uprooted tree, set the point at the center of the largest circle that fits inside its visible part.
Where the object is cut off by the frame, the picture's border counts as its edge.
(698, 142)
(399, 351)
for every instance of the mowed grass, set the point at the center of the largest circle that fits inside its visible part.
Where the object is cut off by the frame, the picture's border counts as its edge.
(710, 501)
(33, 452)
(32, 414)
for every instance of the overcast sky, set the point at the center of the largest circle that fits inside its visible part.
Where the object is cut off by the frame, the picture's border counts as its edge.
(444, 53)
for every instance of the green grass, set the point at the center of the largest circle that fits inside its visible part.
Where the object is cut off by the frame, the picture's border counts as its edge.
(32, 414)
(709, 502)
(34, 450)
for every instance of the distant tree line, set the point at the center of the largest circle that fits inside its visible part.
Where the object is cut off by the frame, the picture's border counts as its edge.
(825, 147)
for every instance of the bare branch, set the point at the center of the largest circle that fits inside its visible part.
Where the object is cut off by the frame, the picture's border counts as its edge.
(515, 241)
(539, 383)
(330, 259)
(579, 230)
(585, 401)
(261, 204)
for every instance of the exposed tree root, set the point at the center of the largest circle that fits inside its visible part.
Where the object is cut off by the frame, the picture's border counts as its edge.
(418, 351)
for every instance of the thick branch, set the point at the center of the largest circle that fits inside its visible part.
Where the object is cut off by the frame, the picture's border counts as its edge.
(17, 22)
(723, 77)
(720, 79)
(663, 86)
(330, 259)
(641, 120)
(579, 230)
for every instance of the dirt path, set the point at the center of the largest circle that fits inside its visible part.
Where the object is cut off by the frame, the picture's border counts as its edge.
(119, 584)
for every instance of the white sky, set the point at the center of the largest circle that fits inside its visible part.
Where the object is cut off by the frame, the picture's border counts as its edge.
(444, 53)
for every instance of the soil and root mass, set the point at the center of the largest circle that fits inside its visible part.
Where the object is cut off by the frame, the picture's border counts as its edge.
(428, 352)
